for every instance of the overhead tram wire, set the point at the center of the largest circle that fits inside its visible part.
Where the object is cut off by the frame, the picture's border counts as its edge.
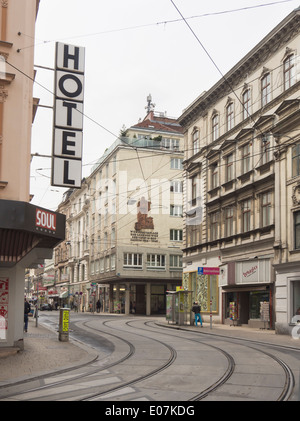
(222, 12)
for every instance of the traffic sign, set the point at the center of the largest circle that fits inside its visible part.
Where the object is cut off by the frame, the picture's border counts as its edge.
(208, 271)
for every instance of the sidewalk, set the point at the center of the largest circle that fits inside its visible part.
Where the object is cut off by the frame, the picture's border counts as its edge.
(42, 353)
(242, 332)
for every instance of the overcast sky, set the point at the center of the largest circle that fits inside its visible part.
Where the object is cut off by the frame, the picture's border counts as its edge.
(133, 48)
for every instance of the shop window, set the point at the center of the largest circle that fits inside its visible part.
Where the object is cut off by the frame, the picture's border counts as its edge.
(256, 297)
(204, 288)
(296, 298)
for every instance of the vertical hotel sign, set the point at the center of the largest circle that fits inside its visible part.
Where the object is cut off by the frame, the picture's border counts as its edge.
(68, 116)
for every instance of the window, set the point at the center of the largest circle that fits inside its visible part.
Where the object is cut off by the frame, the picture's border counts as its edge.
(175, 235)
(265, 89)
(172, 144)
(229, 221)
(214, 176)
(246, 102)
(289, 72)
(229, 167)
(230, 116)
(214, 226)
(113, 261)
(296, 160)
(176, 186)
(266, 148)
(176, 210)
(246, 158)
(297, 229)
(157, 261)
(215, 127)
(194, 190)
(133, 260)
(107, 268)
(266, 209)
(102, 264)
(246, 215)
(113, 237)
(175, 261)
(196, 141)
(176, 163)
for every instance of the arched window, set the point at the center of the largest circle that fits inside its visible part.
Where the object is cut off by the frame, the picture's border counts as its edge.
(215, 127)
(246, 102)
(196, 141)
(289, 71)
(265, 89)
(230, 116)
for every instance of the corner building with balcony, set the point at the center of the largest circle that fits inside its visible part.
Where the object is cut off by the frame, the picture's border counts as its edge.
(242, 184)
(124, 226)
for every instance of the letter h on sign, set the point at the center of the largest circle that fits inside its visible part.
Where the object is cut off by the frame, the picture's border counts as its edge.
(68, 116)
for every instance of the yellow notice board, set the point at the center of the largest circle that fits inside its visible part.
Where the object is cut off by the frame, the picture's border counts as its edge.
(65, 322)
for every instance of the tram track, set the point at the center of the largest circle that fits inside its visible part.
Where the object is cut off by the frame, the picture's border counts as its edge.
(97, 393)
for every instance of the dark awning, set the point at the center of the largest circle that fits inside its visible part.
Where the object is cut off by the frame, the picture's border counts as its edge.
(24, 227)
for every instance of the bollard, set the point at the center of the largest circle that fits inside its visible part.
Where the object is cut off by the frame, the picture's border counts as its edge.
(64, 319)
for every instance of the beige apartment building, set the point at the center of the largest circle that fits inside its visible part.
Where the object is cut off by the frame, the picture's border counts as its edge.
(242, 184)
(124, 226)
(27, 233)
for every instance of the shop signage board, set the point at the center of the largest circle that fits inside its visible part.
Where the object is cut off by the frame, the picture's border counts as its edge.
(68, 116)
(208, 271)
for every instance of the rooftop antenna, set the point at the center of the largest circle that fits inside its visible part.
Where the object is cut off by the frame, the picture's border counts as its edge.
(150, 106)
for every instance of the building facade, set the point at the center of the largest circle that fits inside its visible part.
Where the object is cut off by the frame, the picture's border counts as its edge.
(124, 226)
(27, 233)
(241, 205)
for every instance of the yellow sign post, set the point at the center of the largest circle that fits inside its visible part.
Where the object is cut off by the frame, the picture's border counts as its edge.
(64, 320)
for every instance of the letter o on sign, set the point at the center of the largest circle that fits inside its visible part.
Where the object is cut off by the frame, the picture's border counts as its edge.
(65, 89)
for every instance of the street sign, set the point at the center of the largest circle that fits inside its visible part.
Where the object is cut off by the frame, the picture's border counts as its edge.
(68, 116)
(208, 271)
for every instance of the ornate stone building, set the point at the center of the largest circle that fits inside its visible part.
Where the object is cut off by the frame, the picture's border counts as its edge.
(242, 173)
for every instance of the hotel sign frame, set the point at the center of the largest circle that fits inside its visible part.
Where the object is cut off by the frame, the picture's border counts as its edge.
(68, 116)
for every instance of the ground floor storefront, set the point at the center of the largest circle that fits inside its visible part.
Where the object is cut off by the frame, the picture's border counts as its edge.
(252, 306)
(128, 297)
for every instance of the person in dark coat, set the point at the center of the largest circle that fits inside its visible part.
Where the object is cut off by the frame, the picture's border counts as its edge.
(196, 309)
(98, 305)
(27, 309)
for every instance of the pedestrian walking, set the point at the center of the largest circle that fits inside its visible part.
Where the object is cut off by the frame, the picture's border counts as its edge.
(27, 309)
(98, 304)
(196, 309)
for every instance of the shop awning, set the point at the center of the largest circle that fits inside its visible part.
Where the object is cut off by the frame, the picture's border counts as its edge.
(245, 288)
(24, 227)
